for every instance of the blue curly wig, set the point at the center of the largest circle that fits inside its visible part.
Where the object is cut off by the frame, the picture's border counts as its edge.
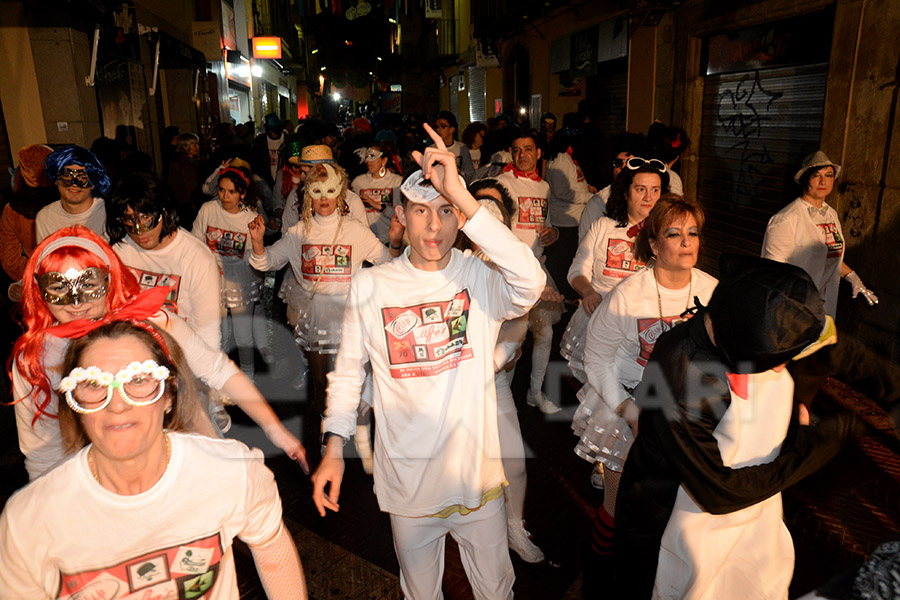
(76, 155)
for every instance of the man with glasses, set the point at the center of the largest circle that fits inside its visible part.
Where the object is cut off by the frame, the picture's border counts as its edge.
(445, 126)
(144, 233)
(626, 146)
(78, 176)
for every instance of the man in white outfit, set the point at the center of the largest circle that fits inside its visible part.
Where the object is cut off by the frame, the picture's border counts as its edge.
(428, 321)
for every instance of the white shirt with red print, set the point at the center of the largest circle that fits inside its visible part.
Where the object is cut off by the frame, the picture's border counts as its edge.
(66, 536)
(531, 197)
(605, 256)
(380, 195)
(186, 265)
(814, 243)
(623, 330)
(430, 337)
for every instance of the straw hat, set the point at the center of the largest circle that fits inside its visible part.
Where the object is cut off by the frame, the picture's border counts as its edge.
(313, 155)
(817, 160)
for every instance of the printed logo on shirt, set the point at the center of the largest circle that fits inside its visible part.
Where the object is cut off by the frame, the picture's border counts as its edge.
(376, 199)
(649, 331)
(226, 243)
(620, 261)
(427, 339)
(186, 571)
(532, 213)
(331, 262)
(579, 174)
(834, 243)
(149, 279)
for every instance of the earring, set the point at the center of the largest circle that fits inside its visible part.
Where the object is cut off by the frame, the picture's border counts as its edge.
(382, 171)
(168, 409)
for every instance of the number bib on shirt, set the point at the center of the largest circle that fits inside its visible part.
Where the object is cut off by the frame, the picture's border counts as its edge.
(331, 262)
(833, 240)
(226, 243)
(532, 212)
(149, 279)
(620, 261)
(376, 199)
(427, 339)
(183, 571)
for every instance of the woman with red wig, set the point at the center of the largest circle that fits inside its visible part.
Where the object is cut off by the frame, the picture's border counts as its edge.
(72, 277)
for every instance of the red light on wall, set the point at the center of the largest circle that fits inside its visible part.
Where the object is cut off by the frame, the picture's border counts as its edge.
(266, 47)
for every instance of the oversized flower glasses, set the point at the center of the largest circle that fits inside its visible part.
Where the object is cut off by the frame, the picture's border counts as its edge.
(89, 390)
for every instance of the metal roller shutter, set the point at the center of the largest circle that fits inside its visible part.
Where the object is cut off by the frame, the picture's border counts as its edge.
(477, 95)
(757, 127)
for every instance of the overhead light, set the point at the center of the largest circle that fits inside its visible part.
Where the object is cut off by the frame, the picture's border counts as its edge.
(322, 69)
(336, 97)
(370, 73)
(256, 70)
(392, 20)
(522, 110)
(314, 50)
(378, 57)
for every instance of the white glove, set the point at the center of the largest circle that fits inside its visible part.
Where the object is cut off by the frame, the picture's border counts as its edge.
(858, 288)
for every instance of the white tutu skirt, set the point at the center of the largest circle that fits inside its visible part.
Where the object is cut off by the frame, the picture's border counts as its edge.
(572, 345)
(317, 327)
(604, 436)
(241, 285)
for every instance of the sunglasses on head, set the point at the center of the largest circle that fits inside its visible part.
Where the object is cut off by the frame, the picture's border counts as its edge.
(636, 162)
(70, 177)
(140, 222)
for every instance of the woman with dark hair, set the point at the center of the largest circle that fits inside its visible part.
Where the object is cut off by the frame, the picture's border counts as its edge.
(620, 338)
(82, 183)
(142, 226)
(379, 188)
(142, 504)
(473, 138)
(222, 225)
(807, 233)
(75, 276)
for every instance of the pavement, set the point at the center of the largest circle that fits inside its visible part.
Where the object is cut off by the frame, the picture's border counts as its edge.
(836, 517)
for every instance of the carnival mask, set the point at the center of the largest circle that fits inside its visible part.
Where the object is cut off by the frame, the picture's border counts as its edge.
(140, 222)
(70, 177)
(330, 188)
(368, 154)
(73, 286)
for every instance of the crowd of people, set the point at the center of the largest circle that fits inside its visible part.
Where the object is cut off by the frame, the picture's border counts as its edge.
(411, 267)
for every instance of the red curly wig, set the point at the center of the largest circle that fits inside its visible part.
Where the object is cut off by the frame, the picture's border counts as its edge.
(36, 317)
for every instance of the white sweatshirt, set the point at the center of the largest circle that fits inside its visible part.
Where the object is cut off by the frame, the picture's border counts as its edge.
(623, 330)
(380, 196)
(430, 337)
(569, 191)
(187, 265)
(593, 210)
(605, 256)
(53, 217)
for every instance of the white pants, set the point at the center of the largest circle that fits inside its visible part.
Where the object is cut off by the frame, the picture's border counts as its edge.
(481, 535)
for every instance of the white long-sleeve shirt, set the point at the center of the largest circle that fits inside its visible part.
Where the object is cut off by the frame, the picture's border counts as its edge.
(605, 256)
(569, 191)
(593, 210)
(623, 330)
(430, 337)
(291, 214)
(324, 251)
(188, 266)
(381, 195)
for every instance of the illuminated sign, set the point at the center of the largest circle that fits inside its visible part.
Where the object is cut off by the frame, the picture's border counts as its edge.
(266, 47)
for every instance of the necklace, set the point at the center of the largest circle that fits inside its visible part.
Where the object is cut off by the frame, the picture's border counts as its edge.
(93, 466)
(687, 304)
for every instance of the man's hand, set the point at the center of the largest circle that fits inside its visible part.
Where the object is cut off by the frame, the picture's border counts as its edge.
(548, 235)
(330, 471)
(439, 167)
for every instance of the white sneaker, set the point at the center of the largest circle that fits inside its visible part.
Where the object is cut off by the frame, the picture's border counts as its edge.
(364, 448)
(520, 542)
(539, 399)
(597, 476)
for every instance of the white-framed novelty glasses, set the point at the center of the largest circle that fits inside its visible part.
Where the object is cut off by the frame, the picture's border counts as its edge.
(89, 390)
